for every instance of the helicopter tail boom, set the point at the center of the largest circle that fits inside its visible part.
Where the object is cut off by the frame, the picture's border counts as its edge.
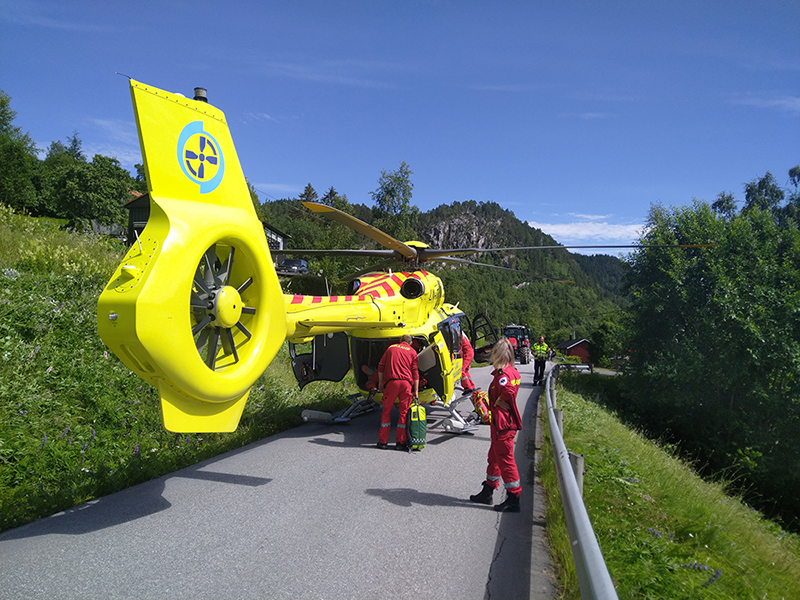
(307, 316)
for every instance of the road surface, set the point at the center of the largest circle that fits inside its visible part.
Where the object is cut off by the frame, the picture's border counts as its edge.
(313, 513)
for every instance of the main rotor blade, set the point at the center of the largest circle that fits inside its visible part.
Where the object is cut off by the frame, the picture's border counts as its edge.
(384, 239)
(470, 262)
(355, 252)
(432, 254)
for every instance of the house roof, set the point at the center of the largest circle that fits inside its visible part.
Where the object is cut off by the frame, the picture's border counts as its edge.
(137, 199)
(571, 344)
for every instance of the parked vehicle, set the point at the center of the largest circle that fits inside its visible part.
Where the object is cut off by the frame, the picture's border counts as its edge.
(522, 335)
(292, 266)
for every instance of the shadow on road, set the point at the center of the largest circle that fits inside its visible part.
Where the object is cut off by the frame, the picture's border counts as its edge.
(409, 497)
(128, 505)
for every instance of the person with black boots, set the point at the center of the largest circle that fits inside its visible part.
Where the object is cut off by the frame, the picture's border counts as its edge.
(506, 421)
(398, 379)
(540, 353)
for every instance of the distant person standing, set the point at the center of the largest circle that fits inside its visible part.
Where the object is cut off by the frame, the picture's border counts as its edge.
(540, 352)
(506, 421)
(467, 354)
(398, 379)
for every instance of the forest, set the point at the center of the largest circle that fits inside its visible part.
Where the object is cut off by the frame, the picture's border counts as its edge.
(708, 338)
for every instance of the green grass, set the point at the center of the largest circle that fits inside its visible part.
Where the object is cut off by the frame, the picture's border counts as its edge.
(664, 532)
(76, 423)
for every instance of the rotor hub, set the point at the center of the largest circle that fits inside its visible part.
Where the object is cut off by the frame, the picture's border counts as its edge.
(227, 306)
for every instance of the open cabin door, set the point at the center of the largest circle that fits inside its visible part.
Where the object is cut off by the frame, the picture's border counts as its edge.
(483, 337)
(329, 359)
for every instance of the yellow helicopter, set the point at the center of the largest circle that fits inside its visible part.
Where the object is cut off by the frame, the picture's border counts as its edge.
(196, 307)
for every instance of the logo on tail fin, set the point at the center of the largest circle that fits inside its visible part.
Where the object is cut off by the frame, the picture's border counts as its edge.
(200, 157)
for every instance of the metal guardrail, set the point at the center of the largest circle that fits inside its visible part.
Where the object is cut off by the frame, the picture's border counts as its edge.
(593, 577)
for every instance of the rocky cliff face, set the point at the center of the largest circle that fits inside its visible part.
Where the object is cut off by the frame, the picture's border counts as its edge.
(487, 225)
(463, 231)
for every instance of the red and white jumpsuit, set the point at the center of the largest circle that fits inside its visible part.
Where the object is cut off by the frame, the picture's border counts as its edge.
(400, 371)
(506, 421)
(467, 354)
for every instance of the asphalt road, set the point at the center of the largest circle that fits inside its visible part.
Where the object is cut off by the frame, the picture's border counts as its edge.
(313, 513)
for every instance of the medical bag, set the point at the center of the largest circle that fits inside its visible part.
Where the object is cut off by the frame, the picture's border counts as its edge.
(480, 401)
(417, 425)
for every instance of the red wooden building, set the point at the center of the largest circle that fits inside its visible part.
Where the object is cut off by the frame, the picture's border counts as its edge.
(579, 348)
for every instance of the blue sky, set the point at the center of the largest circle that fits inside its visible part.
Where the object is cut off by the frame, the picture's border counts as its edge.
(576, 116)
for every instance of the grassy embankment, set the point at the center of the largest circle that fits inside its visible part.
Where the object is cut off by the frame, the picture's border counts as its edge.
(75, 423)
(664, 532)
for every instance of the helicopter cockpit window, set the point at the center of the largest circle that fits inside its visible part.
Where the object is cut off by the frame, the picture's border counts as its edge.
(451, 332)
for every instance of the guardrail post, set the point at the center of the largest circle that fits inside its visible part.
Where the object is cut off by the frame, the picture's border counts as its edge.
(576, 460)
(559, 419)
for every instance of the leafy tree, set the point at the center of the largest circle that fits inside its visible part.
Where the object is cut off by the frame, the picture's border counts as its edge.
(725, 205)
(763, 193)
(309, 194)
(392, 207)
(789, 215)
(91, 190)
(18, 160)
(608, 339)
(716, 342)
(254, 197)
(331, 197)
(140, 180)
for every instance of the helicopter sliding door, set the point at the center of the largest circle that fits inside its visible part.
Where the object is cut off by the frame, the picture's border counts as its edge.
(483, 338)
(329, 359)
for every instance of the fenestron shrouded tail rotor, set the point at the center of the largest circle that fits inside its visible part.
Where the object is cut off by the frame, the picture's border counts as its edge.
(195, 308)
(219, 310)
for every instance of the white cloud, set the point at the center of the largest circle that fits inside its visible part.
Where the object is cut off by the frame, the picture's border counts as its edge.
(331, 73)
(279, 190)
(117, 138)
(589, 217)
(789, 104)
(30, 14)
(259, 116)
(592, 231)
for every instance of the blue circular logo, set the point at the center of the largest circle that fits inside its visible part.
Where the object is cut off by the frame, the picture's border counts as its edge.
(200, 157)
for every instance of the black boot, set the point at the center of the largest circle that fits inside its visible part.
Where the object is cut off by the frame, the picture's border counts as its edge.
(510, 504)
(484, 496)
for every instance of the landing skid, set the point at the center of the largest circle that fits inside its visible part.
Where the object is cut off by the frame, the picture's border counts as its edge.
(456, 423)
(453, 423)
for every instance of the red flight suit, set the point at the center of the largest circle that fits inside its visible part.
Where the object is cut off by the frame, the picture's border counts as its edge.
(467, 354)
(505, 424)
(400, 370)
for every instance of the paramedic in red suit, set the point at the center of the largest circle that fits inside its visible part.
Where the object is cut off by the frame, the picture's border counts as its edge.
(398, 378)
(506, 421)
(467, 354)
